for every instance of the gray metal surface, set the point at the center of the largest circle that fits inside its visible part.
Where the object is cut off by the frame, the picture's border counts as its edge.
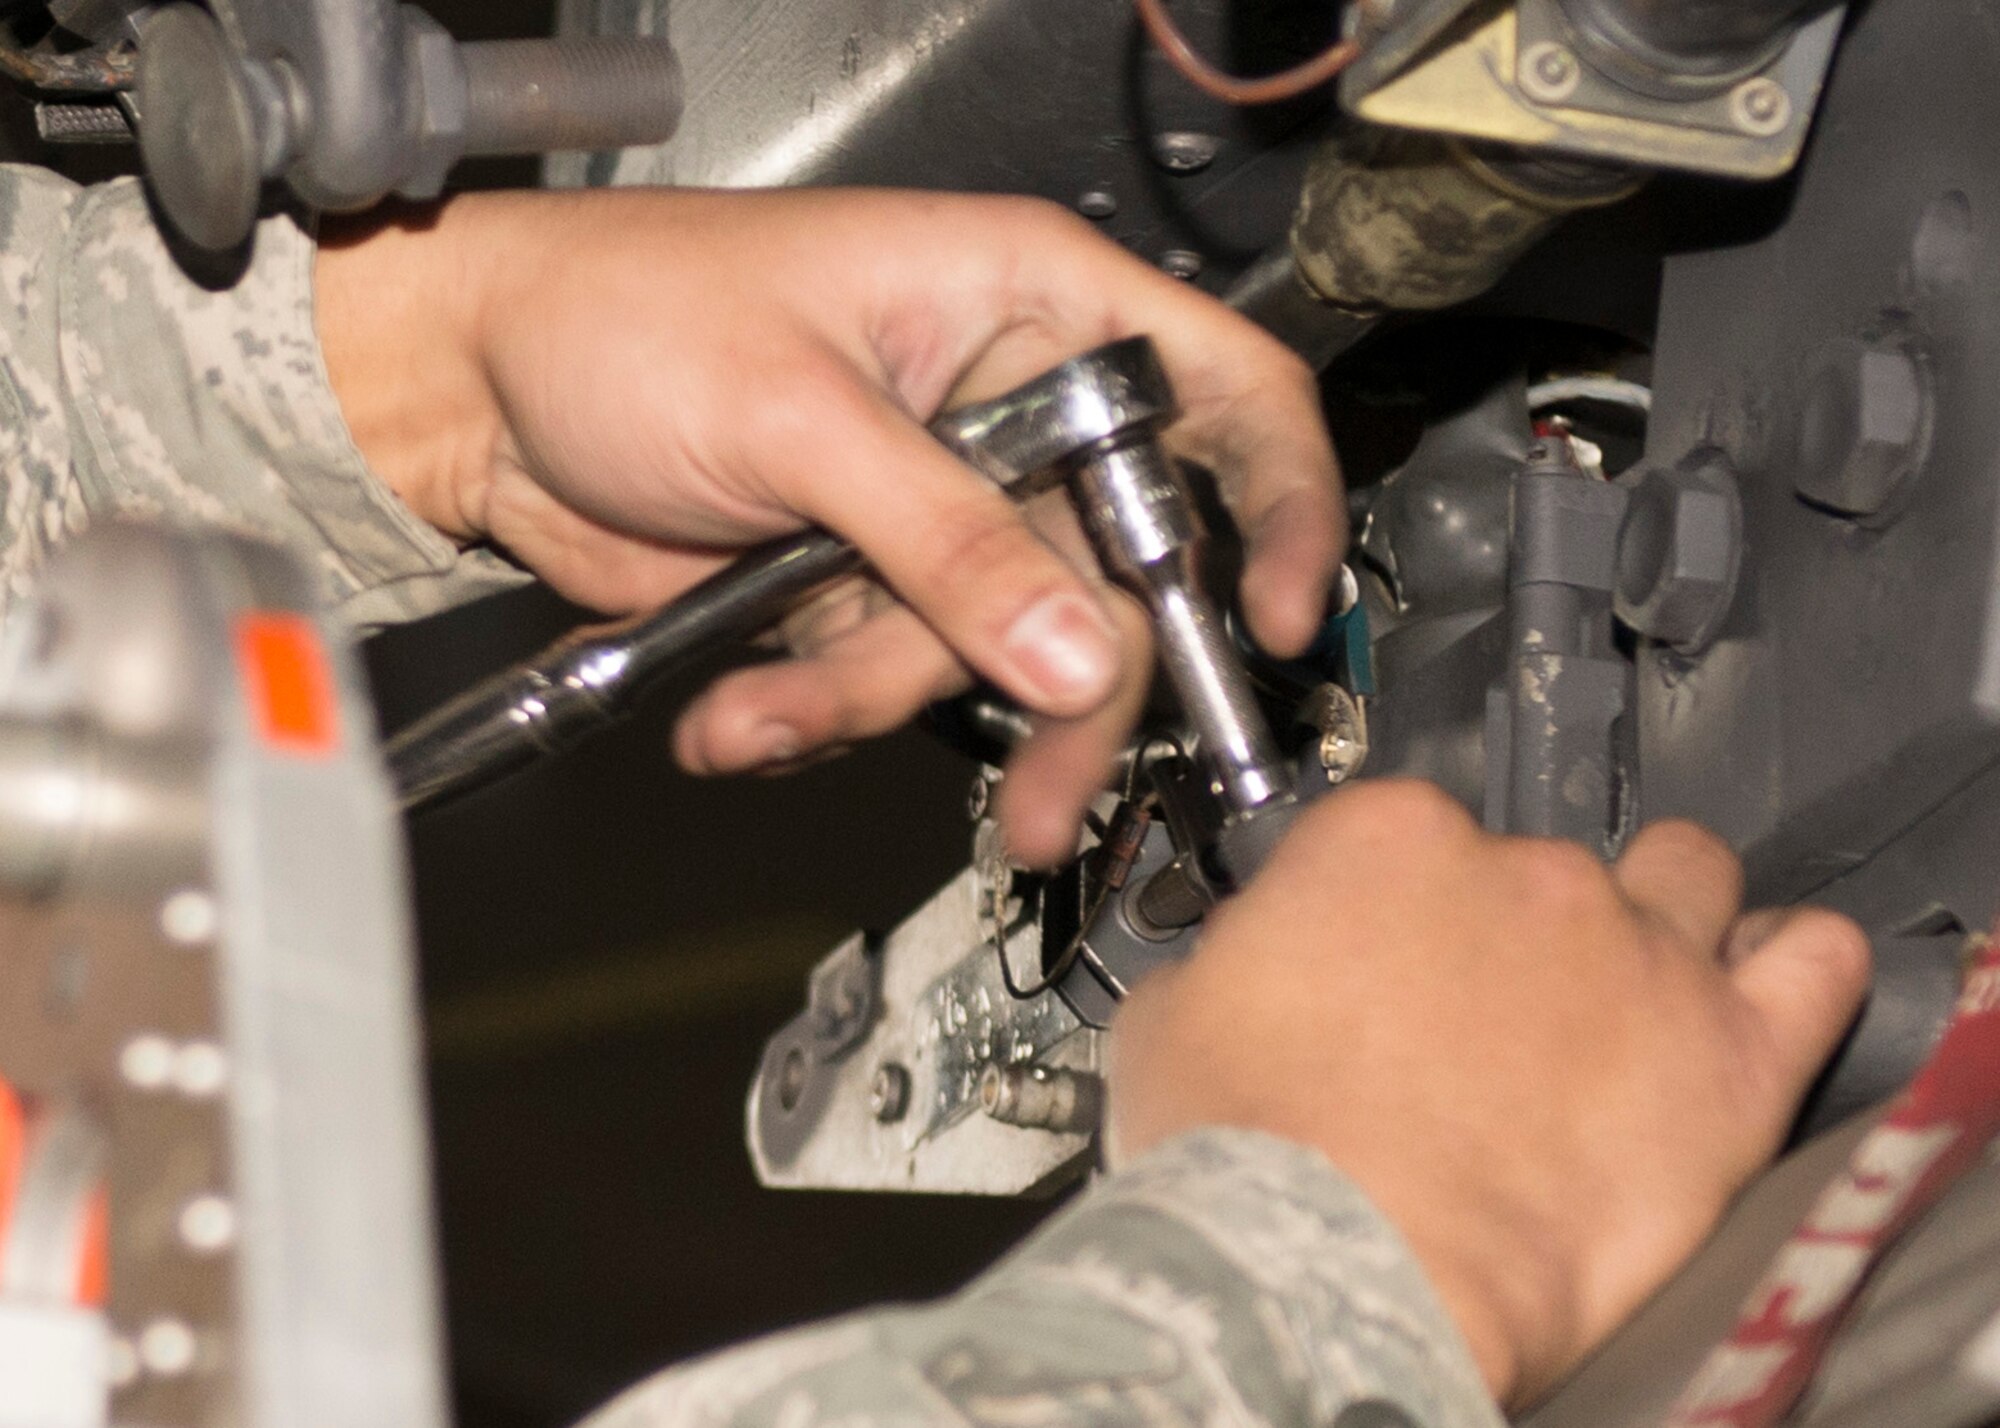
(1047, 97)
(941, 1013)
(235, 1025)
(1518, 74)
(1554, 766)
(1856, 685)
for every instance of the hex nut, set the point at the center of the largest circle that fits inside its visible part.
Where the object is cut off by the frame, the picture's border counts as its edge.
(1679, 549)
(1864, 429)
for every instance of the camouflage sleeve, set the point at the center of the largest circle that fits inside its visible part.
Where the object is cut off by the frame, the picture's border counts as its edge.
(1226, 1278)
(128, 389)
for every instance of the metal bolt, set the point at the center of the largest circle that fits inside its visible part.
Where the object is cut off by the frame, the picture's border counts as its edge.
(1040, 1097)
(1548, 73)
(167, 1348)
(147, 1062)
(1184, 152)
(1098, 203)
(1342, 723)
(1864, 429)
(189, 917)
(1679, 547)
(889, 1092)
(1181, 263)
(978, 798)
(1760, 106)
(207, 1224)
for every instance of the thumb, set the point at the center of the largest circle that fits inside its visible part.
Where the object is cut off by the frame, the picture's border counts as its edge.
(1803, 983)
(951, 545)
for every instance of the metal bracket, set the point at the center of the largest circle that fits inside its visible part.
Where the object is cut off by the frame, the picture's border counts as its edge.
(1511, 75)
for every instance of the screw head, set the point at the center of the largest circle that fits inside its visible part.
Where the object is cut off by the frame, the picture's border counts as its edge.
(1760, 106)
(889, 1092)
(1098, 203)
(207, 1224)
(1182, 263)
(1185, 152)
(189, 917)
(167, 1348)
(147, 1062)
(1548, 73)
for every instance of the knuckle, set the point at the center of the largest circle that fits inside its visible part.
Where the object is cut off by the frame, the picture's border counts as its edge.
(1289, 369)
(1687, 842)
(1039, 217)
(993, 551)
(1840, 940)
(1562, 876)
(1419, 809)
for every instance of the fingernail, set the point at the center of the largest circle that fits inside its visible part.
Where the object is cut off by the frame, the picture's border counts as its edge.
(1066, 648)
(774, 744)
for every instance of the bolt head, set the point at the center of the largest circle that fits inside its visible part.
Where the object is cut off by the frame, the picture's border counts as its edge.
(1679, 549)
(1098, 203)
(1184, 152)
(1864, 429)
(1182, 263)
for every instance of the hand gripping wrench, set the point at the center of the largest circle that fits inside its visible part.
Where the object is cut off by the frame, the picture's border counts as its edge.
(1093, 424)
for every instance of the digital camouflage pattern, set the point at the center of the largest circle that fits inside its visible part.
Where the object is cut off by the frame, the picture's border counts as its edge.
(1226, 1279)
(126, 389)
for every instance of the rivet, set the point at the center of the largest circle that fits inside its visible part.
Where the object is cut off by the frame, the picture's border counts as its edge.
(1548, 73)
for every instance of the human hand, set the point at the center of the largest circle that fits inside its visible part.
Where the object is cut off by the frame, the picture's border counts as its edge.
(622, 387)
(1550, 1074)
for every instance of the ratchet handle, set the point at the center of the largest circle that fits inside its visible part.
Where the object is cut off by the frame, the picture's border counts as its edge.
(589, 679)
